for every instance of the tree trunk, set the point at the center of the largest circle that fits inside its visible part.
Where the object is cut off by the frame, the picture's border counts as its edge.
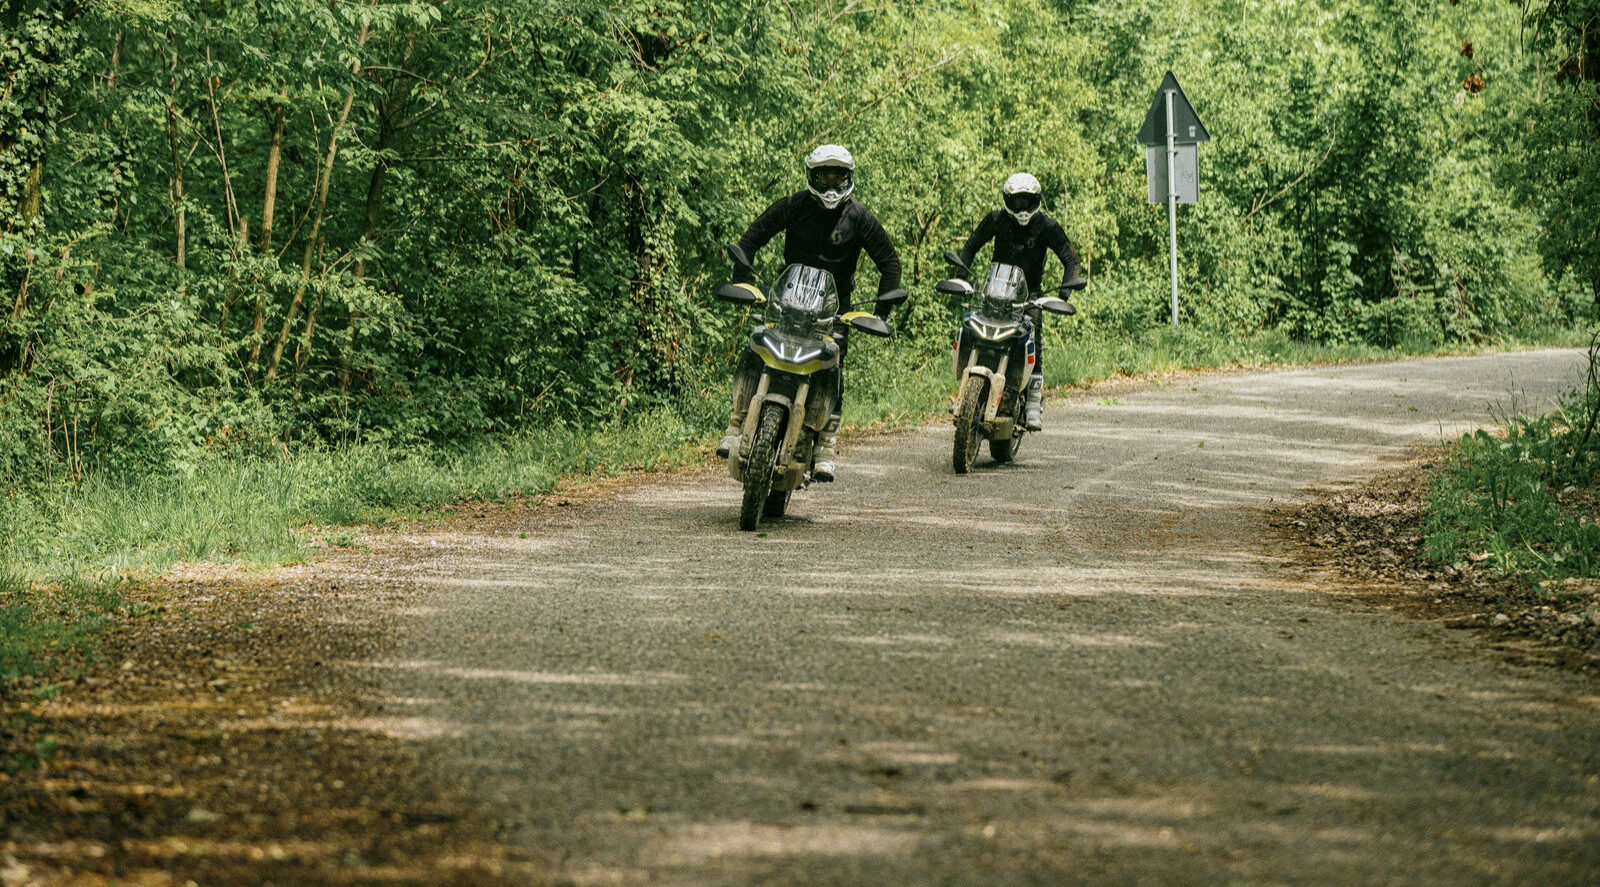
(221, 150)
(269, 202)
(269, 199)
(176, 186)
(390, 114)
(33, 194)
(241, 248)
(312, 240)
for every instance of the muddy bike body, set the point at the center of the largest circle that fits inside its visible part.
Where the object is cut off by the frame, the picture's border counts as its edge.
(994, 356)
(798, 337)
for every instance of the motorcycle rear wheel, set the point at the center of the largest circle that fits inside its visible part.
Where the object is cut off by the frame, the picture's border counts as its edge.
(758, 470)
(969, 418)
(1004, 451)
(777, 503)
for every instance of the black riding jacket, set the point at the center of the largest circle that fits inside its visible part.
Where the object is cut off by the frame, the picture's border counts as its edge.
(830, 239)
(1023, 245)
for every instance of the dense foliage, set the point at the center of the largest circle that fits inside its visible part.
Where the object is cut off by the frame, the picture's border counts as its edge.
(1562, 165)
(235, 227)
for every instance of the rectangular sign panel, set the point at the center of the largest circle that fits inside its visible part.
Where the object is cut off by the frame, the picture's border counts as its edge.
(1187, 164)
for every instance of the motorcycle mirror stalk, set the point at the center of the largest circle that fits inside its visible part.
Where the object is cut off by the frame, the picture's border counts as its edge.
(740, 293)
(740, 258)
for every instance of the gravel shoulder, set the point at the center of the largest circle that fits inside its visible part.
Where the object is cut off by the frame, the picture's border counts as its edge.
(1369, 540)
(575, 692)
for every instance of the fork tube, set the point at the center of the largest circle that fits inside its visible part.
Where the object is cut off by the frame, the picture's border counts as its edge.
(753, 416)
(797, 421)
(998, 389)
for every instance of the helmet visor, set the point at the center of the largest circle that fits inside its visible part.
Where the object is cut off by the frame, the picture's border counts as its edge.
(828, 178)
(1022, 202)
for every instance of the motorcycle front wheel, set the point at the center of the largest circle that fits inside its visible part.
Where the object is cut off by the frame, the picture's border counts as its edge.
(969, 421)
(759, 469)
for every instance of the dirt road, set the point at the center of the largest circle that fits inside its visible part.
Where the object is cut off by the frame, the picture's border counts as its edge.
(1089, 667)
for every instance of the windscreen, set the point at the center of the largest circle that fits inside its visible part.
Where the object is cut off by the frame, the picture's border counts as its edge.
(800, 297)
(1004, 283)
(806, 289)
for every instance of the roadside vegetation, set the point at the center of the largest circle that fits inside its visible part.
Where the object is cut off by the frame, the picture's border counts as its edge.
(1522, 499)
(1497, 532)
(268, 271)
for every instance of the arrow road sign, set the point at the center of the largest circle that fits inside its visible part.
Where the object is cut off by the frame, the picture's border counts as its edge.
(1171, 127)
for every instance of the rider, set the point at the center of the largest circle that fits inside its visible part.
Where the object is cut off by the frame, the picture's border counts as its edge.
(1021, 234)
(824, 227)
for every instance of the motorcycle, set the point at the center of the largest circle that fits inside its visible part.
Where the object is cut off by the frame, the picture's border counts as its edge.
(799, 336)
(994, 358)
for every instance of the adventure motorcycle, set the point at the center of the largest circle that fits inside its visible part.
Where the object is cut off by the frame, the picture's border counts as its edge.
(994, 357)
(798, 337)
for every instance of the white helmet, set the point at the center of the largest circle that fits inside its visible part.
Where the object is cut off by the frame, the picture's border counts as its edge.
(1023, 197)
(830, 174)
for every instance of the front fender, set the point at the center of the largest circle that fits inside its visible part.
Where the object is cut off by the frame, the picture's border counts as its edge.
(977, 374)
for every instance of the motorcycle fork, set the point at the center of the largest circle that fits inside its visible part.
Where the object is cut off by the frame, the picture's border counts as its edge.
(997, 391)
(797, 422)
(996, 377)
(752, 416)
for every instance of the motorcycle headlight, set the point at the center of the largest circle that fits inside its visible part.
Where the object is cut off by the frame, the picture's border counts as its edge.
(796, 349)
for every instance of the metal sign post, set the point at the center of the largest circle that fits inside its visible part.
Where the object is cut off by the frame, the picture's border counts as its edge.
(1172, 205)
(1171, 123)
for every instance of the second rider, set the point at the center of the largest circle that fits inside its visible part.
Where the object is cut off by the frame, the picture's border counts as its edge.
(1021, 232)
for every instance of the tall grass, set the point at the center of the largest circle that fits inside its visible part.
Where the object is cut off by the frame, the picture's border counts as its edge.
(258, 510)
(1524, 497)
(263, 510)
(1092, 356)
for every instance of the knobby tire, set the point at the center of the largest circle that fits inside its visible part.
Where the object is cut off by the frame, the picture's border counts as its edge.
(758, 470)
(969, 426)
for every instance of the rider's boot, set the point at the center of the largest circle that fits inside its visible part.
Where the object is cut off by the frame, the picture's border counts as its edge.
(730, 439)
(1033, 411)
(822, 466)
